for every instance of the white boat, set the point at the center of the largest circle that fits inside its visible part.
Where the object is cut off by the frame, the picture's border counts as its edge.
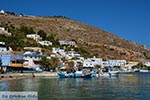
(62, 73)
(144, 71)
(109, 73)
(114, 73)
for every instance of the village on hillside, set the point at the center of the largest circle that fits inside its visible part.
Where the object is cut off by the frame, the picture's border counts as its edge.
(33, 59)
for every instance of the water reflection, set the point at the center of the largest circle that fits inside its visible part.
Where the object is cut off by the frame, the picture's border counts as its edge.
(131, 87)
(4, 86)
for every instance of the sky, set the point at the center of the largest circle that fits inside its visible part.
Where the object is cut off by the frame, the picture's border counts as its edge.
(129, 19)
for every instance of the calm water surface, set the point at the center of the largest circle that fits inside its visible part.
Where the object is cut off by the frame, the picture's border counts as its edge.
(124, 87)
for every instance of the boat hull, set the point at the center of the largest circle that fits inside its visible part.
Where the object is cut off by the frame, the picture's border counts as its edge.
(111, 74)
(61, 75)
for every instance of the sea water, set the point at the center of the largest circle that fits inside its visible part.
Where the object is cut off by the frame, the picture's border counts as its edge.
(131, 86)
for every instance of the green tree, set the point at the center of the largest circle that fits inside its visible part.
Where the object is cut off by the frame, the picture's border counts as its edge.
(54, 40)
(97, 66)
(30, 31)
(74, 40)
(42, 34)
(12, 42)
(27, 30)
(82, 51)
(71, 64)
(54, 62)
(46, 63)
(64, 59)
(140, 65)
(24, 29)
(51, 37)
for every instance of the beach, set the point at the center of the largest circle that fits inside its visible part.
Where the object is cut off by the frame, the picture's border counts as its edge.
(13, 76)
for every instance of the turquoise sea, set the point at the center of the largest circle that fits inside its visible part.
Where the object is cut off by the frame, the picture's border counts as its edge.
(131, 86)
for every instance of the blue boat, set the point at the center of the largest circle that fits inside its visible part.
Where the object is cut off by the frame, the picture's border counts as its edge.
(70, 75)
(77, 74)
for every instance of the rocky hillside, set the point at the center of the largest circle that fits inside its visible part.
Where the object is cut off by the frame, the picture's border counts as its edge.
(96, 41)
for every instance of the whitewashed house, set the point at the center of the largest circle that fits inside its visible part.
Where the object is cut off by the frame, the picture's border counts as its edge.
(32, 60)
(72, 54)
(88, 63)
(112, 63)
(80, 59)
(67, 43)
(91, 62)
(34, 49)
(147, 64)
(59, 51)
(34, 36)
(45, 43)
(68, 55)
(4, 32)
(2, 12)
(2, 28)
(4, 48)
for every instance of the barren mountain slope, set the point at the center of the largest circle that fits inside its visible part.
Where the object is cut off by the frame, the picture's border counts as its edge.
(96, 41)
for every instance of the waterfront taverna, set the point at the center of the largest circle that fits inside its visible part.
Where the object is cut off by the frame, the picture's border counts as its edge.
(28, 60)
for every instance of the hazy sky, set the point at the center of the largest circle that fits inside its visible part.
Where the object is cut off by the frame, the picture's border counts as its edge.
(129, 19)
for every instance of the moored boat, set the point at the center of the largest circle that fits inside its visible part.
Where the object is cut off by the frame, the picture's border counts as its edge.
(74, 75)
(108, 73)
(63, 73)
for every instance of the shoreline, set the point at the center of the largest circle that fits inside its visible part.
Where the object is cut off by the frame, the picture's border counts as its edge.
(14, 76)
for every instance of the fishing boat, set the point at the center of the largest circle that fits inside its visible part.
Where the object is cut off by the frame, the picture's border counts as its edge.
(70, 75)
(107, 72)
(63, 73)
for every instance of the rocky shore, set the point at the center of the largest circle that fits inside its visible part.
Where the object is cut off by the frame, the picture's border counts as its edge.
(12, 76)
